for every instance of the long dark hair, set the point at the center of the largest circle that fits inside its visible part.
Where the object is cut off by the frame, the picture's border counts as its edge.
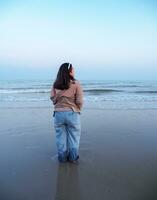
(63, 77)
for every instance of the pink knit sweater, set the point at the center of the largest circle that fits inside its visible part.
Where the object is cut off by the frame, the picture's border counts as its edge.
(68, 99)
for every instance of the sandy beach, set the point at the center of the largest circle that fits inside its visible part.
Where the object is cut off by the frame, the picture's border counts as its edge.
(117, 156)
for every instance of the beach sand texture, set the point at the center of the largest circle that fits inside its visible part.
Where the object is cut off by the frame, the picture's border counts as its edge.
(118, 156)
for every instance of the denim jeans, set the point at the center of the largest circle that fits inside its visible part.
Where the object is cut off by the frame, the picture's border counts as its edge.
(67, 126)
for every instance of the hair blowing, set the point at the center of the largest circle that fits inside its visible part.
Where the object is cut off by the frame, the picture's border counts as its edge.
(63, 77)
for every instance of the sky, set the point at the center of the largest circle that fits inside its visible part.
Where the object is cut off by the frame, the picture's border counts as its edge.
(102, 39)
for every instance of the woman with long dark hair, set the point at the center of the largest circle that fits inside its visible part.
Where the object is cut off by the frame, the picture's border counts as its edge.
(67, 97)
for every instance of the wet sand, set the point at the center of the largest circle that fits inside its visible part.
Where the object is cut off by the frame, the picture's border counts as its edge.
(118, 156)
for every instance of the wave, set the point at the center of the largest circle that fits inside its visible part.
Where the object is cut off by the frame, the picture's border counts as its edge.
(93, 91)
(22, 88)
(130, 86)
(101, 90)
(113, 85)
(24, 91)
(147, 92)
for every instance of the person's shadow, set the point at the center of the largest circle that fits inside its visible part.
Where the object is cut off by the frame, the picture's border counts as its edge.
(68, 185)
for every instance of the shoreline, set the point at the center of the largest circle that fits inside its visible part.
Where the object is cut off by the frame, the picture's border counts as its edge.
(88, 106)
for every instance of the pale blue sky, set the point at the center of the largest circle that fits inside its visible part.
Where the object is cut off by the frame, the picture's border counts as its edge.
(103, 39)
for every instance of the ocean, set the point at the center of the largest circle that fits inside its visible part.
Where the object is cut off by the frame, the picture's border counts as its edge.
(103, 94)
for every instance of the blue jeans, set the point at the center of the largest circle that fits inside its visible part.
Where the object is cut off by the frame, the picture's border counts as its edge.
(67, 126)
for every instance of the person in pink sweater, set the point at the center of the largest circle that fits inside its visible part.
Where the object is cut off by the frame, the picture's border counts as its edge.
(67, 98)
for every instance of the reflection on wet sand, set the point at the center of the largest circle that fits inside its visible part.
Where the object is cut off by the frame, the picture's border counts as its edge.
(67, 185)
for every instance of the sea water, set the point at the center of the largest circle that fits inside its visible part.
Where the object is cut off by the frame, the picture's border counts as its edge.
(102, 94)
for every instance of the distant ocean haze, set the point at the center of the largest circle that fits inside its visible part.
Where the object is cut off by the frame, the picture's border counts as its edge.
(98, 93)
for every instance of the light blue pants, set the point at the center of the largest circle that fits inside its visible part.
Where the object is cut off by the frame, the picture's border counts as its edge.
(67, 126)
